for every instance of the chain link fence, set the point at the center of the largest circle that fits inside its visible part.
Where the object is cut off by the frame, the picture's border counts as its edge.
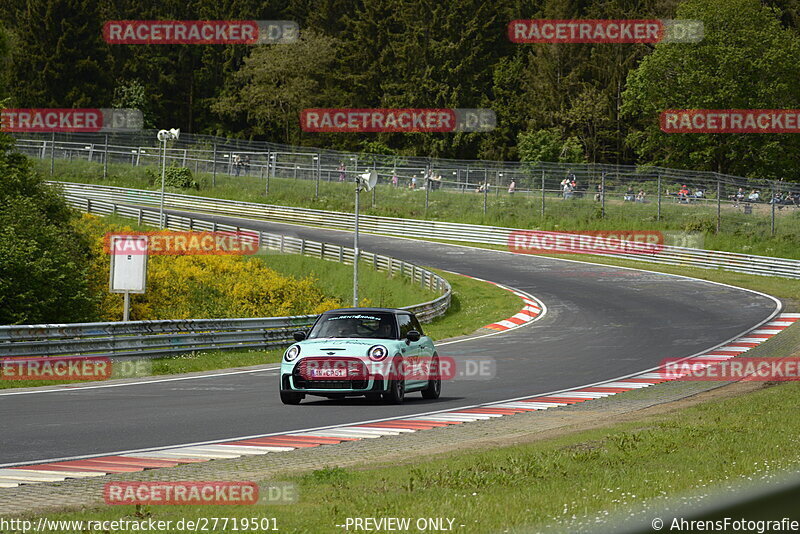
(449, 188)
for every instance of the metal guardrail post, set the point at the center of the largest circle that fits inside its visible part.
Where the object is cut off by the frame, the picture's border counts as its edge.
(603, 195)
(772, 203)
(427, 195)
(719, 205)
(658, 215)
(105, 159)
(52, 152)
(214, 166)
(542, 193)
(317, 174)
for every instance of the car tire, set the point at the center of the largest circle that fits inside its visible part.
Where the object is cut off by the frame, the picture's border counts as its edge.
(434, 387)
(397, 385)
(290, 397)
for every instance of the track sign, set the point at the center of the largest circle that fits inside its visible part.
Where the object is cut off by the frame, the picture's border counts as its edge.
(128, 263)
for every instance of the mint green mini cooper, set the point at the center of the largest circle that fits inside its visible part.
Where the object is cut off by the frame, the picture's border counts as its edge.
(374, 352)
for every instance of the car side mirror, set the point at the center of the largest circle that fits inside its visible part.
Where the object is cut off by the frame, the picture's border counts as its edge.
(299, 335)
(413, 335)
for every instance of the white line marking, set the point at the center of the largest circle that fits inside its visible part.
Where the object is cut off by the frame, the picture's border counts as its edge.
(77, 388)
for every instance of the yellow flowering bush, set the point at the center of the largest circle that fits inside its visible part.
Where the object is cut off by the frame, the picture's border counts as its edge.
(185, 287)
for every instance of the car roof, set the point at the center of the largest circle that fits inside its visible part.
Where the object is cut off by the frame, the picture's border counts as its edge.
(362, 310)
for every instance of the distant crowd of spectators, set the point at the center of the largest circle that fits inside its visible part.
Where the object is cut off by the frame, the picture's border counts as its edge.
(568, 188)
(780, 199)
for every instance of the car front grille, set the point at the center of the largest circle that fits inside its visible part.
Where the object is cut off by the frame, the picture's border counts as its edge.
(357, 374)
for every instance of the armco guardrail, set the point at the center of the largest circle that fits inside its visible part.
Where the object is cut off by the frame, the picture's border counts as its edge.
(155, 338)
(670, 255)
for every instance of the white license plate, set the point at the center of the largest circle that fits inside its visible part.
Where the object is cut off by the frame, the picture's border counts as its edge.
(329, 373)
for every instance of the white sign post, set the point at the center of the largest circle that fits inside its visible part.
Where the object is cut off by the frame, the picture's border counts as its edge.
(128, 267)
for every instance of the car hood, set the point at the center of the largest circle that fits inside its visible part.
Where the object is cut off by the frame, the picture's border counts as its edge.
(342, 346)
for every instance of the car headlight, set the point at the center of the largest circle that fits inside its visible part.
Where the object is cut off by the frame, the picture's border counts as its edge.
(292, 353)
(377, 353)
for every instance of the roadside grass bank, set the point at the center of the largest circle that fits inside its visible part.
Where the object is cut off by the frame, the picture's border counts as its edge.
(474, 304)
(575, 479)
(741, 232)
(333, 278)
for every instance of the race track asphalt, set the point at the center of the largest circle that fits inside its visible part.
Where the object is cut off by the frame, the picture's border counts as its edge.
(602, 322)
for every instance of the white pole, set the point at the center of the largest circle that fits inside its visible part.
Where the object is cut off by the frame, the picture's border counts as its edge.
(163, 174)
(355, 250)
(126, 309)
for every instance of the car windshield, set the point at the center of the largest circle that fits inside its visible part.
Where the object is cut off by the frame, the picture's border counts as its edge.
(364, 325)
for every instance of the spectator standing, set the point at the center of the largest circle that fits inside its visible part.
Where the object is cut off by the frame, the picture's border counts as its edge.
(394, 179)
(566, 188)
(512, 187)
(237, 162)
(738, 197)
(683, 194)
(342, 172)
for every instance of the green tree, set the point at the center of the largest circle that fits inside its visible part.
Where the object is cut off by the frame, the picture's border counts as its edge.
(43, 261)
(550, 145)
(277, 82)
(746, 60)
(132, 94)
(59, 59)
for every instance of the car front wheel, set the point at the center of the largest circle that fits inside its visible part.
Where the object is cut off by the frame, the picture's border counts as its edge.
(397, 385)
(289, 397)
(434, 387)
